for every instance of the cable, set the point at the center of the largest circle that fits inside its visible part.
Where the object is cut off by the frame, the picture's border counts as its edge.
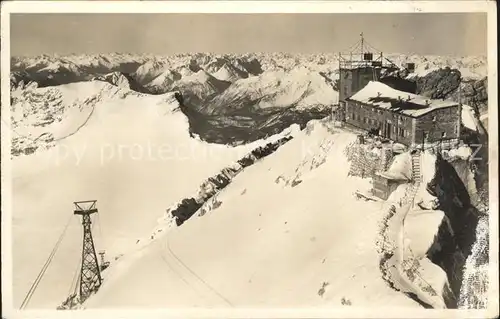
(38, 279)
(199, 278)
(72, 287)
(76, 278)
(352, 48)
(100, 230)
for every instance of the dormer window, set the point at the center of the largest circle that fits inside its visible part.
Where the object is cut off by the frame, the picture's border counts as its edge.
(434, 118)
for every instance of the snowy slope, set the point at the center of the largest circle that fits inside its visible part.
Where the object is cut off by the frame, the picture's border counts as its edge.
(299, 88)
(165, 79)
(133, 155)
(150, 70)
(470, 67)
(199, 85)
(267, 245)
(229, 73)
(85, 62)
(115, 78)
(41, 116)
(127, 149)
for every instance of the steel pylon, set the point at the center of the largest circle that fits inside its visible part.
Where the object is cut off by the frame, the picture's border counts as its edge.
(90, 275)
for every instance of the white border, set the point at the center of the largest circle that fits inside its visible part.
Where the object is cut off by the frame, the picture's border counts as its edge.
(310, 6)
(250, 7)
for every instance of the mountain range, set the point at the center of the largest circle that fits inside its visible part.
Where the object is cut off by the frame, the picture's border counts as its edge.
(221, 181)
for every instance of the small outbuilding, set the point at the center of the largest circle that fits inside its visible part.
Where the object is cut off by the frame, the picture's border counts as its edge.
(385, 183)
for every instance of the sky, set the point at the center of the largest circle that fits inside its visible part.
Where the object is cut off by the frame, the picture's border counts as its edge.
(407, 33)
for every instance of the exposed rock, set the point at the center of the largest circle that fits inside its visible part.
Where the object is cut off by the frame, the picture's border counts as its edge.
(189, 206)
(115, 78)
(439, 84)
(473, 93)
(398, 80)
(457, 234)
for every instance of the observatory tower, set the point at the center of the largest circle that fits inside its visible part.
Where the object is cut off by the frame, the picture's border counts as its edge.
(359, 66)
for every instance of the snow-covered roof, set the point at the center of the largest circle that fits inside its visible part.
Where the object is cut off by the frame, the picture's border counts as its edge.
(393, 176)
(383, 96)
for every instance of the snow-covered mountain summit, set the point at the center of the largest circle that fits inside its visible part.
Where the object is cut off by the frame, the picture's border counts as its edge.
(147, 67)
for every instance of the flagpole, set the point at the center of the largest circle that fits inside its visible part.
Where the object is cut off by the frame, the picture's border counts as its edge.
(362, 45)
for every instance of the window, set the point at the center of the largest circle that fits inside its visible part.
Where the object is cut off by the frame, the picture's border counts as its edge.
(401, 132)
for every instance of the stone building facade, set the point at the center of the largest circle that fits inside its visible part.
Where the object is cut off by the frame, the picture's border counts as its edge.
(404, 118)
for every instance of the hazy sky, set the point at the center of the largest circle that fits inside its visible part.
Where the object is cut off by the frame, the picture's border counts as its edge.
(421, 33)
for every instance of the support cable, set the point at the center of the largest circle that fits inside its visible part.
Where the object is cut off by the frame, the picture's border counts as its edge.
(195, 275)
(74, 282)
(100, 230)
(38, 279)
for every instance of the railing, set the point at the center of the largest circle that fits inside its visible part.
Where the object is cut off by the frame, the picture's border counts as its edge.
(438, 145)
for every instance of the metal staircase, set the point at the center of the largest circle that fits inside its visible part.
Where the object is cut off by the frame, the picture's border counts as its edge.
(416, 175)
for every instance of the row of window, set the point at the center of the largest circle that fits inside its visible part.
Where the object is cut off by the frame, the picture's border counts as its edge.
(367, 120)
(395, 130)
(403, 133)
(380, 111)
(426, 135)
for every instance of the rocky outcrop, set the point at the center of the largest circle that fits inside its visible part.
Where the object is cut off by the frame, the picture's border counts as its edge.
(444, 83)
(473, 93)
(474, 290)
(186, 208)
(115, 78)
(439, 84)
(434, 277)
(399, 80)
(241, 128)
(456, 234)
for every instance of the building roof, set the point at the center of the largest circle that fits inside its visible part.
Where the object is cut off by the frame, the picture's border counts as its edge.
(382, 96)
(392, 176)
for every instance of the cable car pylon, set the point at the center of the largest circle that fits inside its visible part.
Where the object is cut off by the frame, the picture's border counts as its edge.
(90, 274)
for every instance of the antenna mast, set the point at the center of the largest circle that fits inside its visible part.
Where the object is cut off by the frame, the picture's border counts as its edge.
(362, 45)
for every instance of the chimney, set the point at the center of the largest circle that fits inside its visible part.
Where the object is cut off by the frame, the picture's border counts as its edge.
(408, 98)
(427, 102)
(379, 94)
